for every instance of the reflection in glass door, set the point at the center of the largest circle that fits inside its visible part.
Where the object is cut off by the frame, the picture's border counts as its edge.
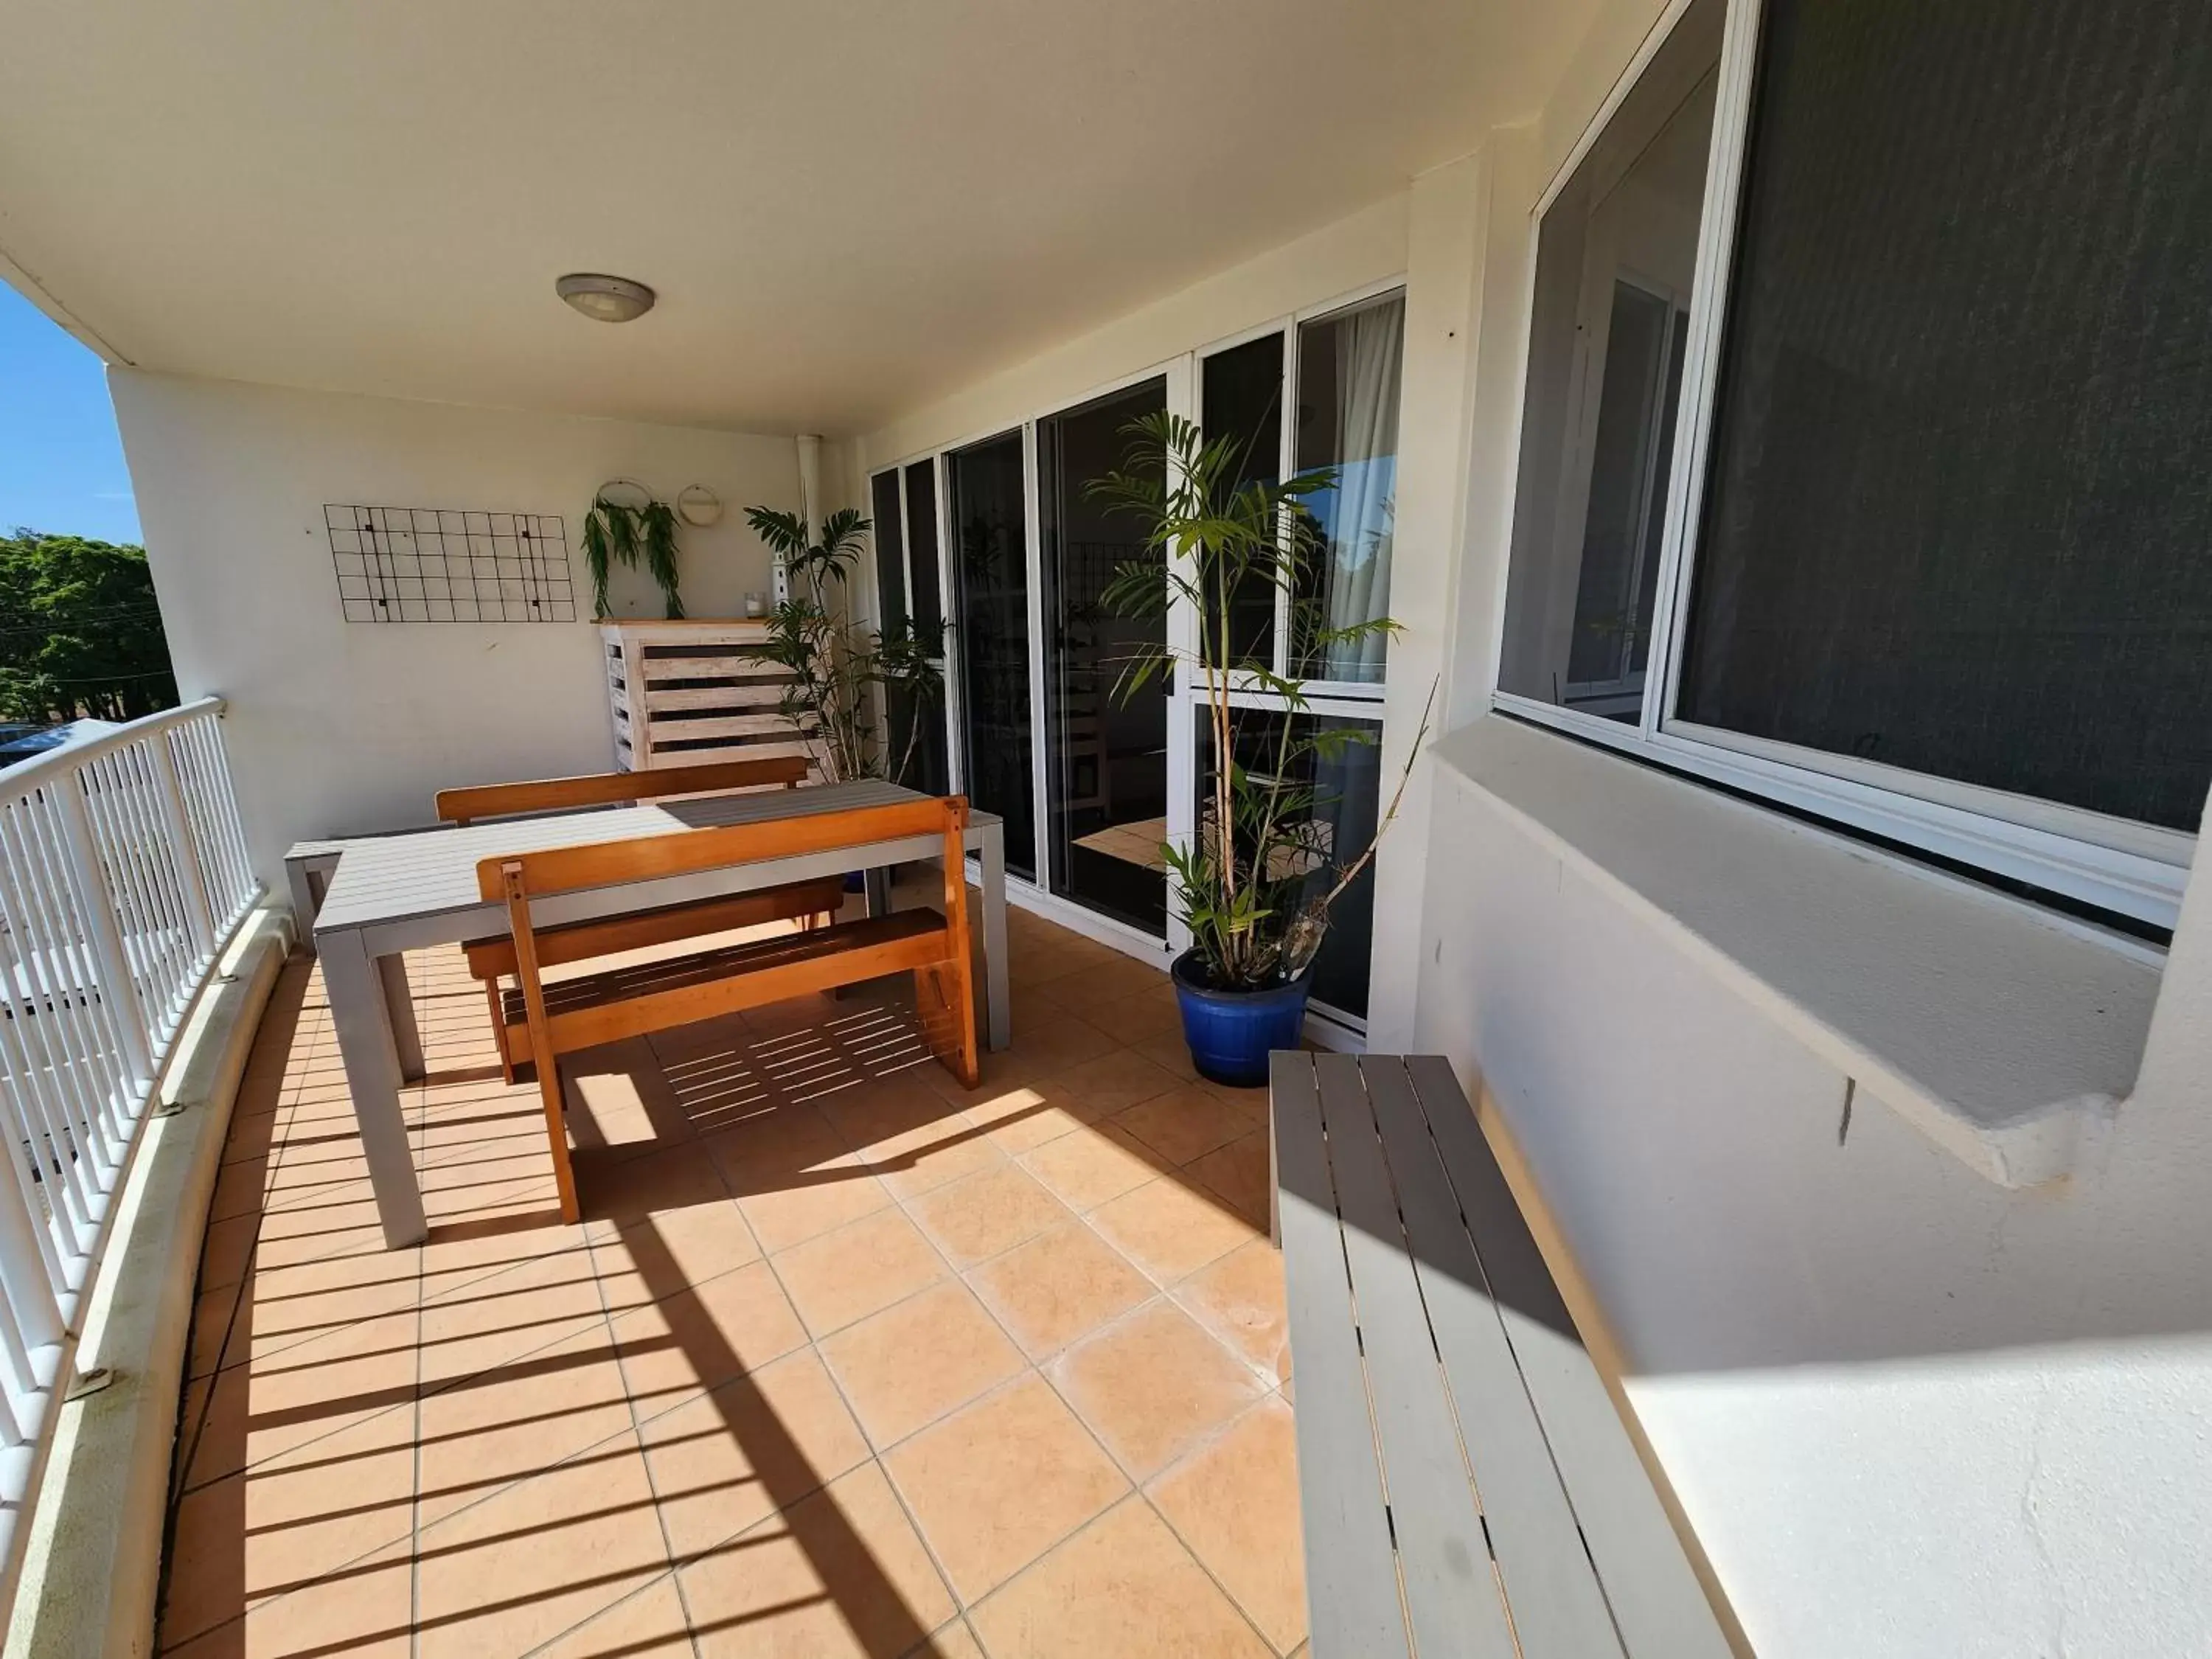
(990, 545)
(1106, 759)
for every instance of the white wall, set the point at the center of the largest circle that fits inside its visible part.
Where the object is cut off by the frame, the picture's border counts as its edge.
(337, 727)
(1908, 1411)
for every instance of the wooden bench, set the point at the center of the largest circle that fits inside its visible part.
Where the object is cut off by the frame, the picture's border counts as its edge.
(614, 1003)
(492, 961)
(1466, 1485)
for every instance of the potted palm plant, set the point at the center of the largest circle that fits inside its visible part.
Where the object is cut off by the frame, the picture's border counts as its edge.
(835, 661)
(1256, 884)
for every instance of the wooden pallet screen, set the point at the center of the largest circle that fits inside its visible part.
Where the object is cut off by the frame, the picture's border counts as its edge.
(685, 693)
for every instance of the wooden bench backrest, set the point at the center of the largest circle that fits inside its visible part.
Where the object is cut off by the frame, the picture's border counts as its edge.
(498, 800)
(687, 852)
(943, 992)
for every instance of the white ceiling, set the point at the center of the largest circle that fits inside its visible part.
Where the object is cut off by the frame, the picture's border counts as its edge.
(849, 207)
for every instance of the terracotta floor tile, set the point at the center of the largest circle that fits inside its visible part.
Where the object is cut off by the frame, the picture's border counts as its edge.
(723, 1461)
(1154, 1385)
(996, 1485)
(518, 1419)
(1167, 1050)
(493, 1320)
(1235, 1504)
(1186, 1123)
(701, 1338)
(268, 1531)
(1024, 1117)
(367, 1610)
(218, 1319)
(839, 1573)
(646, 1625)
(1238, 1173)
(526, 1563)
(978, 1217)
(1240, 1299)
(804, 1203)
(227, 1249)
(566, 1410)
(1146, 1016)
(1057, 1039)
(1169, 1229)
(1058, 1286)
(918, 1359)
(955, 1641)
(1113, 1082)
(614, 1185)
(1086, 1169)
(1124, 1586)
(850, 1273)
(655, 1257)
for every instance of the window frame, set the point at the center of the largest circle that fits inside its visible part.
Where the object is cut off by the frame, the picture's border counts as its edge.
(1285, 328)
(2115, 865)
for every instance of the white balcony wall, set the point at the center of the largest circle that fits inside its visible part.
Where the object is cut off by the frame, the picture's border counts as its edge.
(338, 727)
(1908, 1411)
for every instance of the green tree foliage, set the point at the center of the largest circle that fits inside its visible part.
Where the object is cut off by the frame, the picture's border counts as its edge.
(80, 634)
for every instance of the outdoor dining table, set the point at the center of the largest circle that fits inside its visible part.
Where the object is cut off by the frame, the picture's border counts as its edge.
(374, 897)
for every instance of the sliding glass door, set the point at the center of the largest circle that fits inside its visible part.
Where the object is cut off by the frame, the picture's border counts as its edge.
(902, 510)
(988, 517)
(1106, 753)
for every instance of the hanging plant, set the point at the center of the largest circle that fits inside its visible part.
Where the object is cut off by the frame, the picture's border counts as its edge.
(631, 535)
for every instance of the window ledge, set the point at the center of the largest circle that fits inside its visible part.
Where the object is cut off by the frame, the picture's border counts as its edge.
(2006, 1034)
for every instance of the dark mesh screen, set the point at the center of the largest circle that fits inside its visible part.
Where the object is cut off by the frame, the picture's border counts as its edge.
(1961, 485)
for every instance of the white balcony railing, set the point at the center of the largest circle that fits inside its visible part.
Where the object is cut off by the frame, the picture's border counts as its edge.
(124, 875)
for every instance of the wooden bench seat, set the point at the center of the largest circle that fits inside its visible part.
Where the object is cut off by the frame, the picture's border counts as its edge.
(652, 996)
(1465, 1483)
(593, 1008)
(492, 960)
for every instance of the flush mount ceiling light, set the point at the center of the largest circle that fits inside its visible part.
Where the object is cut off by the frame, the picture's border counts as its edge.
(604, 299)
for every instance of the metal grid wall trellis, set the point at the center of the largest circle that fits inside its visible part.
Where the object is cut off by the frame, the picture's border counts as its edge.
(399, 564)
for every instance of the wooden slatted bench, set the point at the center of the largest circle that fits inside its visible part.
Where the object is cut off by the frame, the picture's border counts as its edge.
(491, 961)
(614, 1003)
(1467, 1486)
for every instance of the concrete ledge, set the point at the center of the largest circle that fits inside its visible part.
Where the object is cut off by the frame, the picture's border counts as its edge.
(2005, 1033)
(92, 1562)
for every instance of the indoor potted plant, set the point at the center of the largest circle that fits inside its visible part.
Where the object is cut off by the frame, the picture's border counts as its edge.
(1257, 885)
(836, 661)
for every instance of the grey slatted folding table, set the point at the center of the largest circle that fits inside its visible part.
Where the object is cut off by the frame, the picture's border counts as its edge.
(1466, 1484)
(390, 894)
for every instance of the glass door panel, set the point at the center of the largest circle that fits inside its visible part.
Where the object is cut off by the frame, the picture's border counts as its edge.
(991, 645)
(1346, 779)
(1348, 389)
(1106, 765)
(1242, 400)
(919, 759)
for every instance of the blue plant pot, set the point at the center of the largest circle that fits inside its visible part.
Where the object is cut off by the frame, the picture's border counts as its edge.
(1231, 1033)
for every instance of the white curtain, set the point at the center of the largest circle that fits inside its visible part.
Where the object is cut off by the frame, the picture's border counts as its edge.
(1370, 345)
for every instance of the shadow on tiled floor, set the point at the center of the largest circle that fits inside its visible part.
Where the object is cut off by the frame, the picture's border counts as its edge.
(844, 1359)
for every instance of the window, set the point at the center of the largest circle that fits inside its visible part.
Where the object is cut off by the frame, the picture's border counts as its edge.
(1863, 458)
(1344, 390)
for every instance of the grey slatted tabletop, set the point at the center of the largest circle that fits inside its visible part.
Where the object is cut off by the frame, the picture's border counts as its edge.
(1467, 1486)
(383, 878)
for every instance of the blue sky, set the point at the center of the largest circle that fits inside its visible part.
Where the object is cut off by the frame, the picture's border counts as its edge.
(61, 462)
